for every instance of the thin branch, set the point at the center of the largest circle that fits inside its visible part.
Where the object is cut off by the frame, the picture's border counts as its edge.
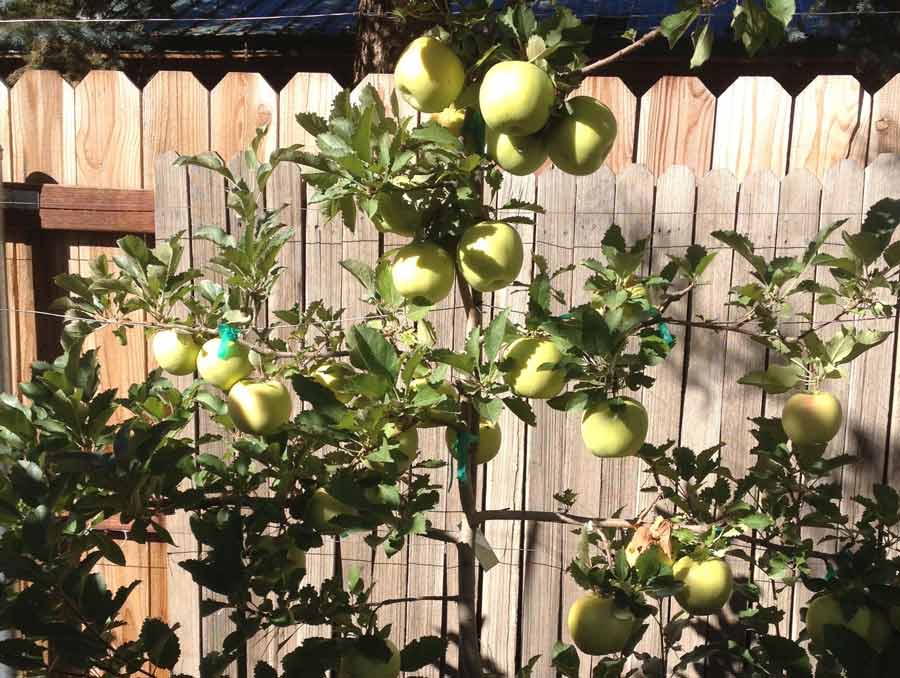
(615, 56)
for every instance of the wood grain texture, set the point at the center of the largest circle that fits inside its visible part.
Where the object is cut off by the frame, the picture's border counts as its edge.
(504, 477)
(543, 556)
(42, 119)
(305, 92)
(753, 120)
(175, 117)
(621, 101)
(108, 131)
(181, 593)
(884, 136)
(5, 135)
(238, 105)
(831, 122)
(677, 120)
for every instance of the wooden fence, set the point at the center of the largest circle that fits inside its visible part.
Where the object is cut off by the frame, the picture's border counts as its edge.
(755, 158)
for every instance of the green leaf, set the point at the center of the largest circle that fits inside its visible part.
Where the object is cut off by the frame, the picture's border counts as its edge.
(334, 146)
(521, 409)
(436, 134)
(775, 379)
(892, 254)
(674, 26)
(161, 643)
(565, 660)
(110, 549)
(264, 670)
(19, 653)
(781, 10)
(376, 353)
(703, 44)
(421, 652)
(744, 247)
(757, 521)
(495, 334)
(361, 271)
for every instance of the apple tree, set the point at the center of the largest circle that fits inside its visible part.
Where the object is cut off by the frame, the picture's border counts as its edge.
(497, 83)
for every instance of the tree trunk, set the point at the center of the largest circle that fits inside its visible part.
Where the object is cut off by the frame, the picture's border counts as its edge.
(379, 38)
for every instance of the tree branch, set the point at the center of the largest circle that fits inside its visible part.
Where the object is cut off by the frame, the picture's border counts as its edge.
(615, 56)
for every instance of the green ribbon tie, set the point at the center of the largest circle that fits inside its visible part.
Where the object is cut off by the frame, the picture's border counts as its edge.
(664, 332)
(228, 337)
(566, 316)
(460, 452)
(830, 574)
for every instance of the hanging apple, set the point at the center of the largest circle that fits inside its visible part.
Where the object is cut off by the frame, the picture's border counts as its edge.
(226, 371)
(532, 374)
(579, 142)
(598, 626)
(517, 155)
(176, 352)
(490, 255)
(423, 270)
(429, 76)
(259, 407)
(614, 428)
(516, 98)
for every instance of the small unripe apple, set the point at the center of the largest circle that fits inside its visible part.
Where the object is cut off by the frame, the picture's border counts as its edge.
(396, 214)
(223, 372)
(516, 155)
(579, 142)
(423, 270)
(176, 352)
(322, 509)
(597, 626)
(357, 665)
(533, 374)
(451, 118)
(429, 76)
(333, 377)
(490, 255)
(489, 439)
(614, 429)
(707, 584)
(516, 98)
(811, 418)
(868, 623)
(259, 407)
(442, 413)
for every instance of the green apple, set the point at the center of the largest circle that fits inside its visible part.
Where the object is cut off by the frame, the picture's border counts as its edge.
(868, 623)
(811, 418)
(396, 214)
(444, 412)
(579, 142)
(333, 376)
(355, 664)
(516, 98)
(489, 439)
(490, 255)
(176, 352)
(517, 155)
(707, 584)
(532, 374)
(223, 372)
(597, 626)
(259, 407)
(429, 76)
(615, 428)
(423, 270)
(322, 509)
(451, 118)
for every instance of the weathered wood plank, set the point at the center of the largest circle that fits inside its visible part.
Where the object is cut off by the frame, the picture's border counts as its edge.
(175, 117)
(753, 119)
(884, 136)
(42, 119)
(831, 122)
(108, 131)
(676, 125)
(5, 134)
(239, 105)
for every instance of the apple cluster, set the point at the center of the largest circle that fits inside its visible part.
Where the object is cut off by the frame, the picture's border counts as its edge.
(525, 122)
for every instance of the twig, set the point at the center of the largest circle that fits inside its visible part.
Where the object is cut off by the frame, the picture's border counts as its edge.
(615, 56)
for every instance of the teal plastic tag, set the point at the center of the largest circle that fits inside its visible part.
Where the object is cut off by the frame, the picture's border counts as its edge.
(460, 453)
(663, 329)
(830, 574)
(228, 337)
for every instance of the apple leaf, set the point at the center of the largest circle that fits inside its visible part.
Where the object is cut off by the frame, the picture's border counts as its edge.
(774, 379)
(674, 26)
(361, 271)
(703, 43)
(161, 643)
(421, 652)
(565, 660)
(377, 354)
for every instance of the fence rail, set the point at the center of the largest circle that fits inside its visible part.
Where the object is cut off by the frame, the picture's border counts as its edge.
(685, 163)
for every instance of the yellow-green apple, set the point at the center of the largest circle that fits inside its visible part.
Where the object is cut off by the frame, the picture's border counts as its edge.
(396, 214)
(516, 98)
(333, 376)
(707, 584)
(355, 664)
(452, 118)
(442, 413)
(811, 418)
(429, 76)
(579, 142)
(223, 372)
(490, 255)
(423, 270)
(614, 428)
(322, 509)
(259, 407)
(533, 374)
(517, 155)
(176, 352)
(489, 439)
(868, 623)
(598, 626)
